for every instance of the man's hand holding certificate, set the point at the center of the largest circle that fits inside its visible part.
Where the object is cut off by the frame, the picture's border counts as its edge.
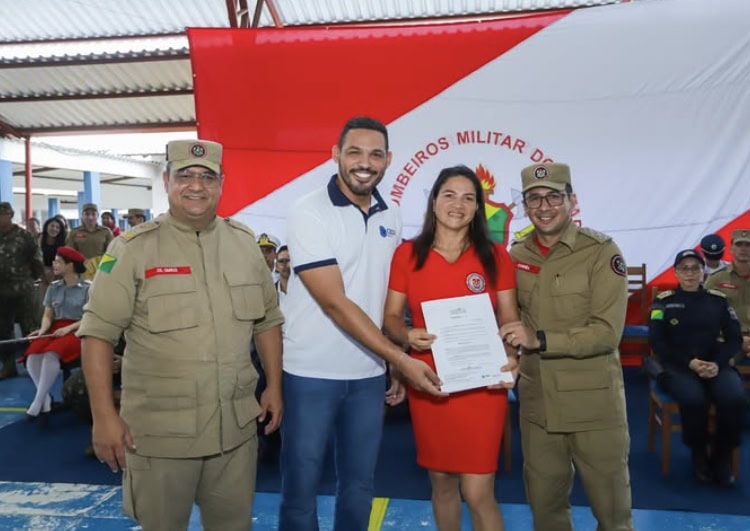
(468, 351)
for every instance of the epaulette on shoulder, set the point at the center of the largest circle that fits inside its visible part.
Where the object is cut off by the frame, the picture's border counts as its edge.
(717, 293)
(595, 234)
(239, 226)
(665, 294)
(139, 229)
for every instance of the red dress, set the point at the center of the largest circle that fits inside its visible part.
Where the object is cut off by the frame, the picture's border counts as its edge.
(460, 433)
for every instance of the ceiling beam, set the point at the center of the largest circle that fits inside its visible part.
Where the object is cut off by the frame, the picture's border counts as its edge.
(139, 127)
(258, 12)
(140, 93)
(182, 54)
(274, 14)
(8, 130)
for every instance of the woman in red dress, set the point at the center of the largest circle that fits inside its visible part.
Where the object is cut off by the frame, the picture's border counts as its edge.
(457, 436)
(63, 309)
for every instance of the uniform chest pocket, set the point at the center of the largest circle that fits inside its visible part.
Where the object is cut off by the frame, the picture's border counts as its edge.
(246, 295)
(172, 303)
(571, 293)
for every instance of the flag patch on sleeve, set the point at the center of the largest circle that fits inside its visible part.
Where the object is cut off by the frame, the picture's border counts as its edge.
(107, 263)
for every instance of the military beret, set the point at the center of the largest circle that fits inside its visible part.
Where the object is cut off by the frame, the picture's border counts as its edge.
(549, 175)
(185, 153)
(688, 253)
(71, 254)
(741, 235)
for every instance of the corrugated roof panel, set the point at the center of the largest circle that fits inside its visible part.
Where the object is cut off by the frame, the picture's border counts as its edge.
(95, 78)
(303, 12)
(24, 20)
(114, 112)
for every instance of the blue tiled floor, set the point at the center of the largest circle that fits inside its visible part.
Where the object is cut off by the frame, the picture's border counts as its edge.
(42, 506)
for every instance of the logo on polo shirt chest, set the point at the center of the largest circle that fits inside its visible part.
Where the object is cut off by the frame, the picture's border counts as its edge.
(387, 232)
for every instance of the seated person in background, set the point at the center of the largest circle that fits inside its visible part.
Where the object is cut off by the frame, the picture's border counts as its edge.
(712, 248)
(63, 309)
(694, 333)
(734, 281)
(108, 220)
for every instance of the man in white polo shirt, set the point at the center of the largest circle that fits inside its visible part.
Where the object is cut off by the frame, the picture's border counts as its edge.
(341, 238)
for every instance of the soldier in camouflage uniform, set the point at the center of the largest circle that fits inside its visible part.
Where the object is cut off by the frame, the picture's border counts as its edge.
(20, 265)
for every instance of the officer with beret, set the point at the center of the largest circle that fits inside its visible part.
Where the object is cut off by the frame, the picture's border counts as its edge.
(734, 282)
(91, 239)
(20, 265)
(713, 246)
(190, 290)
(572, 293)
(694, 333)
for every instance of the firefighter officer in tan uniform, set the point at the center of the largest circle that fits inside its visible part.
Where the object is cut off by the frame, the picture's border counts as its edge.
(572, 291)
(734, 281)
(90, 239)
(190, 290)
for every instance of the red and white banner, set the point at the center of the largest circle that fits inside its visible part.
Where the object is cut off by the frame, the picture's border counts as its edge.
(649, 103)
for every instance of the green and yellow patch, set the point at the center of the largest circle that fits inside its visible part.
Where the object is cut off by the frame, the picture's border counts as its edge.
(107, 263)
(657, 314)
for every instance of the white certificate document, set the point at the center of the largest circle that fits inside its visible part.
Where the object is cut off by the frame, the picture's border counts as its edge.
(468, 350)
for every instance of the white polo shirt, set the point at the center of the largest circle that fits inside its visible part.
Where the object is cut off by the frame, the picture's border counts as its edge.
(325, 228)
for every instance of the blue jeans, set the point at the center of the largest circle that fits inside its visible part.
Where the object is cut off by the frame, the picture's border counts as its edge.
(315, 409)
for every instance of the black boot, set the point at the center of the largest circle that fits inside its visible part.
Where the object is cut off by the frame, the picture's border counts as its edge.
(701, 466)
(722, 467)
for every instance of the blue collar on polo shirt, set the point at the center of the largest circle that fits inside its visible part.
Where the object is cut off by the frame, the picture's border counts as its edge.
(339, 199)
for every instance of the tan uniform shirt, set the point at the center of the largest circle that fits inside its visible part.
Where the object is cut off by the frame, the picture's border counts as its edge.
(737, 290)
(577, 295)
(90, 243)
(189, 304)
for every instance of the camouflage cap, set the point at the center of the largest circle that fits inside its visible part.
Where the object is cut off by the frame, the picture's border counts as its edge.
(6, 208)
(549, 175)
(185, 153)
(90, 206)
(741, 235)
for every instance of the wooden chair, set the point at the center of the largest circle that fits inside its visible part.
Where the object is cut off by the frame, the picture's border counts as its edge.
(637, 334)
(663, 411)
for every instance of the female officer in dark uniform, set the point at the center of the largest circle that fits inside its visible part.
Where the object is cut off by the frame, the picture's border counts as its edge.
(694, 332)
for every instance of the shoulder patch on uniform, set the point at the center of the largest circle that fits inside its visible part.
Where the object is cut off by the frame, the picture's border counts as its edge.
(239, 226)
(594, 234)
(665, 294)
(106, 263)
(617, 263)
(717, 293)
(139, 229)
(657, 314)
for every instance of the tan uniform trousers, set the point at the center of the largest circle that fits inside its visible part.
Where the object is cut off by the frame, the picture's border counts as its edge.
(159, 493)
(601, 459)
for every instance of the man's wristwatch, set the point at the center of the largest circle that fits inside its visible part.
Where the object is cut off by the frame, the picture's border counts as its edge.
(542, 338)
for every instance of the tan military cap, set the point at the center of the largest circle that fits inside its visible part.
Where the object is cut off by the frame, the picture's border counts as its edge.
(6, 208)
(136, 212)
(550, 175)
(741, 235)
(185, 153)
(90, 206)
